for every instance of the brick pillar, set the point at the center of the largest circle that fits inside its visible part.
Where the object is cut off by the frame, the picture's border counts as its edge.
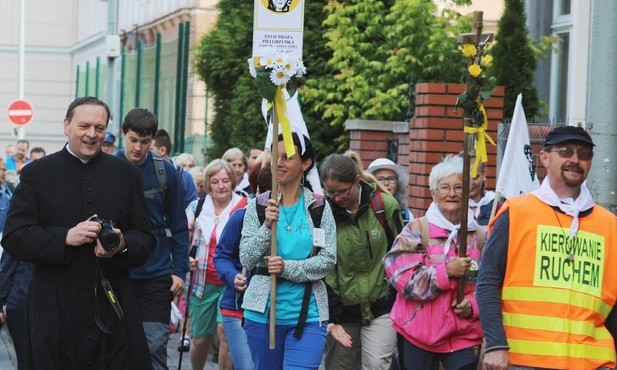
(370, 139)
(436, 130)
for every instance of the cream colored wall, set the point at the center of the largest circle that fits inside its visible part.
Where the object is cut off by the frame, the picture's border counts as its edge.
(492, 9)
(69, 33)
(49, 35)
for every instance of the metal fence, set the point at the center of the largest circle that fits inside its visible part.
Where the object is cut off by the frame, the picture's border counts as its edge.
(152, 76)
(537, 133)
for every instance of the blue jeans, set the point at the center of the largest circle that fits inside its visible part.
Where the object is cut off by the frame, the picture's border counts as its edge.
(289, 352)
(238, 345)
(157, 335)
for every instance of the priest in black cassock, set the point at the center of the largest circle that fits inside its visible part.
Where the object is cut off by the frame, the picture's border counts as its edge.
(74, 319)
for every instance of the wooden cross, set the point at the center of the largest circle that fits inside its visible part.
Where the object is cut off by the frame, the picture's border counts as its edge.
(479, 39)
(475, 36)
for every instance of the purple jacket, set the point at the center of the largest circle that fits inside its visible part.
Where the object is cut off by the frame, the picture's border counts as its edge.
(422, 312)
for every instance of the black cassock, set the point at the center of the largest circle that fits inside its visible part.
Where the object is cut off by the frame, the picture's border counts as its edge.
(56, 193)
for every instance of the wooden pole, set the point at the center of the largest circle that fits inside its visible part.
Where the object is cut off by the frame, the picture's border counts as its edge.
(467, 146)
(495, 203)
(273, 195)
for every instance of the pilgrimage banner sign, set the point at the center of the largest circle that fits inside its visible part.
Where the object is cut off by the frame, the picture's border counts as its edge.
(275, 64)
(278, 24)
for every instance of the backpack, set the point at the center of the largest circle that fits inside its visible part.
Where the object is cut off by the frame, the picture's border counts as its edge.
(200, 204)
(425, 239)
(316, 211)
(161, 175)
(377, 206)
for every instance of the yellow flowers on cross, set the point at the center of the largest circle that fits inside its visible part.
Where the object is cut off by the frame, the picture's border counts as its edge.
(486, 61)
(479, 88)
(474, 70)
(469, 50)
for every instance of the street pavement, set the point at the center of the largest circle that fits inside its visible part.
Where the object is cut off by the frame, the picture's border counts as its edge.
(173, 355)
(8, 361)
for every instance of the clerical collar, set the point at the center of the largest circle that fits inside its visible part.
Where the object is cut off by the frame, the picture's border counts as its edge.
(84, 161)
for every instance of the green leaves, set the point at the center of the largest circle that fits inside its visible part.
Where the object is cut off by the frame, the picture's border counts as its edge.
(515, 60)
(263, 84)
(361, 56)
(267, 89)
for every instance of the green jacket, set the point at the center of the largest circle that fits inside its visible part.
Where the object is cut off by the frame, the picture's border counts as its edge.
(358, 290)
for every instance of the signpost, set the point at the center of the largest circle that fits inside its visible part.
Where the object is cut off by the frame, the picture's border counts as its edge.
(277, 25)
(20, 112)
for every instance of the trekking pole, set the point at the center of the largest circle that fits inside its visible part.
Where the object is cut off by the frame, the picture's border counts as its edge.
(192, 254)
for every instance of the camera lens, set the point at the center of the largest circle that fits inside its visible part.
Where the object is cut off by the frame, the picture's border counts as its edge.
(109, 240)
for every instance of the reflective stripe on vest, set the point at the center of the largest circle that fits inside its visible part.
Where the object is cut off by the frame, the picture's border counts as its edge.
(551, 295)
(557, 293)
(560, 351)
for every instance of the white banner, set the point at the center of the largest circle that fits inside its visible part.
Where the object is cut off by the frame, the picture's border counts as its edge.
(278, 24)
(517, 175)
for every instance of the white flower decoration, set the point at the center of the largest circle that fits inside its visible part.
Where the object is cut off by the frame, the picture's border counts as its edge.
(252, 69)
(279, 76)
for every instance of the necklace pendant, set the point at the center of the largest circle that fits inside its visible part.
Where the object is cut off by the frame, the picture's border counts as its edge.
(288, 229)
(216, 220)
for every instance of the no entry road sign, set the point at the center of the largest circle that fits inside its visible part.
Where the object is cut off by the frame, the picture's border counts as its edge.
(20, 112)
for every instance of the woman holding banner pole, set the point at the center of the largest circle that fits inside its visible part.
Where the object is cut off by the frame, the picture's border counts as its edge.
(424, 268)
(306, 253)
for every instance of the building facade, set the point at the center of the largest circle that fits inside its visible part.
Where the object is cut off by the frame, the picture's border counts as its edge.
(66, 54)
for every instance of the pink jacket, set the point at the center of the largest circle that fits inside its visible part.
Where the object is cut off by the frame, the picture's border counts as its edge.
(422, 312)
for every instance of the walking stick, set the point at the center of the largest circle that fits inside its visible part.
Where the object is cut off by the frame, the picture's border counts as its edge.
(192, 254)
(274, 195)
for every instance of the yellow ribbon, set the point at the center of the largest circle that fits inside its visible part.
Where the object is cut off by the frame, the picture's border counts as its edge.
(281, 111)
(481, 137)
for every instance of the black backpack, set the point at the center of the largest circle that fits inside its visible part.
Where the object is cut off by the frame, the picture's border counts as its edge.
(316, 208)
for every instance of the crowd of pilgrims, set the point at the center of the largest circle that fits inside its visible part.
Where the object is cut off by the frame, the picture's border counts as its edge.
(349, 286)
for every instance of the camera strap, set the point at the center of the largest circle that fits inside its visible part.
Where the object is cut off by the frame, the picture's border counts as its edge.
(111, 297)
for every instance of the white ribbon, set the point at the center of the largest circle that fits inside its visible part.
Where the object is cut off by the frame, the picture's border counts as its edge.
(294, 114)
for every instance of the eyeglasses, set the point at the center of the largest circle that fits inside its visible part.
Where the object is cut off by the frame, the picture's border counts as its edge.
(387, 180)
(445, 189)
(340, 194)
(584, 154)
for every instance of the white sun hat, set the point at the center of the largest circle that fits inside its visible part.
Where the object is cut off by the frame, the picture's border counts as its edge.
(386, 164)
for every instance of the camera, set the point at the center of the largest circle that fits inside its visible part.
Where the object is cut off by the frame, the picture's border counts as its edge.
(108, 238)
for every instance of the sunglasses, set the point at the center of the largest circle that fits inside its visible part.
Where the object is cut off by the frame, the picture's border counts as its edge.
(584, 154)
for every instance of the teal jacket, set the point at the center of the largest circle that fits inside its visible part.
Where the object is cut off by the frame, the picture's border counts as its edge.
(358, 290)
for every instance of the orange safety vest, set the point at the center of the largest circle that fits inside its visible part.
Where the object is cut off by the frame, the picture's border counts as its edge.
(557, 294)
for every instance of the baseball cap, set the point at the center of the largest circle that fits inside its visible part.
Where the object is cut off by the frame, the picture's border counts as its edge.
(568, 133)
(109, 138)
